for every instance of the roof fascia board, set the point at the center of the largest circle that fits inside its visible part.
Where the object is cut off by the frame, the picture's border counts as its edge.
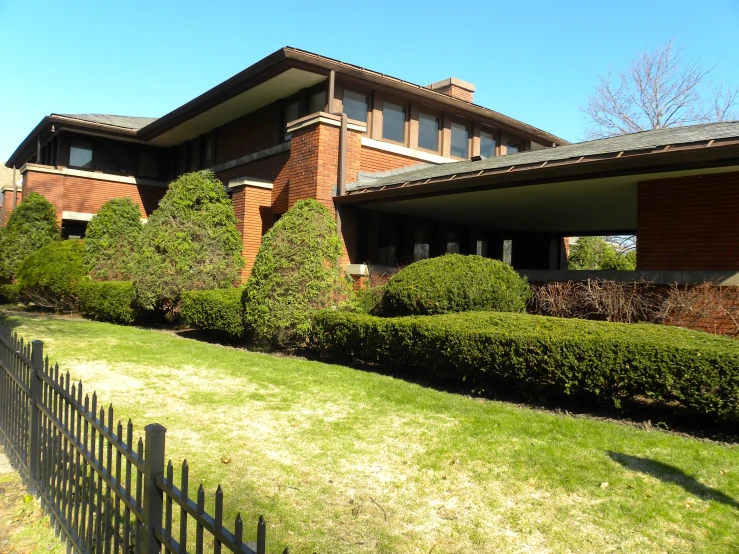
(70, 124)
(394, 83)
(253, 75)
(646, 164)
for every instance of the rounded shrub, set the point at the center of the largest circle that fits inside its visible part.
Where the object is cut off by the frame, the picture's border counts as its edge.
(30, 226)
(455, 283)
(111, 239)
(189, 243)
(50, 276)
(107, 301)
(218, 311)
(296, 272)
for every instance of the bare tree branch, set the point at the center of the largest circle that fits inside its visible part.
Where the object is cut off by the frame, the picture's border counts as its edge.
(660, 89)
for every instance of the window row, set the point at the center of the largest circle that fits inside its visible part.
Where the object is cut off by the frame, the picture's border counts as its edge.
(426, 129)
(113, 157)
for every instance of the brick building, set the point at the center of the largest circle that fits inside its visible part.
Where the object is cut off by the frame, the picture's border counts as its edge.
(410, 171)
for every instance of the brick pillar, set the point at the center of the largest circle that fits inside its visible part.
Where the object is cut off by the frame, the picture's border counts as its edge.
(252, 207)
(314, 165)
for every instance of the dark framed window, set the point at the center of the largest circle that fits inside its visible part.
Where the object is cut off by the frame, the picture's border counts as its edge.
(453, 242)
(487, 144)
(387, 242)
(116, 158)
(428, 132)
(460, 140)
(148, 164)
(290, 112)
(356, 106)
(421, 243)
(512, 148)
(317, 101)
(393, 122)
(193, 155)
(209, 150)
(80, 154)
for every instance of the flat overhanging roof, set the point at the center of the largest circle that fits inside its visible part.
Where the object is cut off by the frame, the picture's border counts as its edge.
(601, 206)
(587, 188)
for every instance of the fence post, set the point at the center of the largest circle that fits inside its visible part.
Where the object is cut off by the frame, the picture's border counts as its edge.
(153, 495)
(34, 420)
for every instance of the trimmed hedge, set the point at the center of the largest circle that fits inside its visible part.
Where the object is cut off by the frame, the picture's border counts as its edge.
(609, 360)
(9, 294)
(49, 277)
(455, 283)
(218, 310)
(107, 301)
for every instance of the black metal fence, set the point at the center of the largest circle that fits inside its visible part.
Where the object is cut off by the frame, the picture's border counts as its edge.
(103, 494)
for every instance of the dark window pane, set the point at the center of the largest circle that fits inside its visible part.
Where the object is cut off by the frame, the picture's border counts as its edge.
(386, 244)
(355, 106)
(209, 150)
(428, 132)
(512, 148)
(453, 242)
(80, 154)
(487, 145)
(460, 139)
(148, 164)
(193, 155)
(289, 114)
(317, 102)
(421, 244)
(117, 159)
(393, 122)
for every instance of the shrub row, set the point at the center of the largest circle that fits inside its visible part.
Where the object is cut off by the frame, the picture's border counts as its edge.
(609, 360)
(217, 310)
(108, 301)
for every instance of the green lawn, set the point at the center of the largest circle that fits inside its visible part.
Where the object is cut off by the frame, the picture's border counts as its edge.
(341, 460)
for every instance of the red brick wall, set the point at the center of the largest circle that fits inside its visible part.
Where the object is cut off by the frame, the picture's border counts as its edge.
(81, 194)
(689, 223)
(456, 92)
(273, 168)
(314, 156)
(248, 134)
(376, 160)
(8, 204)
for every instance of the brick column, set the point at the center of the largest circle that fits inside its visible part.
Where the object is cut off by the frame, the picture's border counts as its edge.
(314, 164)
(252, 207)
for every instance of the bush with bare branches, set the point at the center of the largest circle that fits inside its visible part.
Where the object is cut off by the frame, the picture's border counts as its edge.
(600, 300)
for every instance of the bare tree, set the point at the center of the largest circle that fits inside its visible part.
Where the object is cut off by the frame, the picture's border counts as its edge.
(660, 89)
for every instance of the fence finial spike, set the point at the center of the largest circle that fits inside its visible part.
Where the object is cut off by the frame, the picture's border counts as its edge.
(184, 463)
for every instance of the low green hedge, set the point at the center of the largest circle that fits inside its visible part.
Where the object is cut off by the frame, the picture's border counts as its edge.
(9, 294)
(610, 360)
(218, 310)
(455, 283)
(107, 301)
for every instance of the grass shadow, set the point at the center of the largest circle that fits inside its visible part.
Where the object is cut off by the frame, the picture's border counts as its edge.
(642, 413)
(670, 474)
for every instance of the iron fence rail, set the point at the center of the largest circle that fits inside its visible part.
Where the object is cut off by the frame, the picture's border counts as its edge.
(102, 493)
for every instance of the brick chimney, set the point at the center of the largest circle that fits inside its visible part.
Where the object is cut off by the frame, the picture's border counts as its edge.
(456, 88)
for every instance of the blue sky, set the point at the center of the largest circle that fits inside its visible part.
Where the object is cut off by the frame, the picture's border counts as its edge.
(535, 61)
